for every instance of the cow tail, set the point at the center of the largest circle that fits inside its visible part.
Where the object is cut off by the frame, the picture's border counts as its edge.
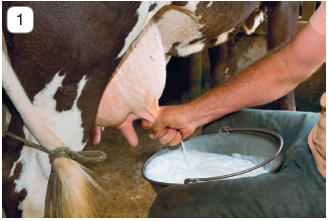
(78, 199)
(78, 187)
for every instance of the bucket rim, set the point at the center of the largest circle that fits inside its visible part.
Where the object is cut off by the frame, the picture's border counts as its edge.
(193, 180)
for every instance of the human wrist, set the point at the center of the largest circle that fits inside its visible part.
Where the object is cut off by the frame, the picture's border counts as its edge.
(200, 113)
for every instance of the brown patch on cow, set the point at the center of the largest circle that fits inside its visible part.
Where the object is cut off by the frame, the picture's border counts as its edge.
(221, 17)
(195, 41)
(209, 44)
(10, 203)
(152, 7)
(173, 50)
(11, 151)
(67, 93)
(177, 3)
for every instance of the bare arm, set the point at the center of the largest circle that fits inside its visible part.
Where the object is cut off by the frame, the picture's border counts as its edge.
(264, 81)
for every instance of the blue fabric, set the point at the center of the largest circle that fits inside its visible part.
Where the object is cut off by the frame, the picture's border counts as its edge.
(296, 190)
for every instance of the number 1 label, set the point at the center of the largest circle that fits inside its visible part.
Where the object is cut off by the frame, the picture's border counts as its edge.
(20, 19)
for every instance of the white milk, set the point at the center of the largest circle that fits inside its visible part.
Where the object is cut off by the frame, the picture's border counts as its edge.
(172, 168)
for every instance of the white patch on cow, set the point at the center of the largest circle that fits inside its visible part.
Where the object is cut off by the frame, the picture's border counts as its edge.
(35, 169)
(257, 21)
(185, 51)
(6, 116)
(143, 18)
(67, 125)
(142, 15)
(24, 106)
(178, 27)
(13, 168)
(226, 71)
(209, 4)
(223, 37)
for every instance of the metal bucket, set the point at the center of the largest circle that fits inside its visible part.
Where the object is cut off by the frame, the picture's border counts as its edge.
(228, 143)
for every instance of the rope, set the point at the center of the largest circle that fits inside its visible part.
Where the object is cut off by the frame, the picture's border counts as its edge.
(54, 196)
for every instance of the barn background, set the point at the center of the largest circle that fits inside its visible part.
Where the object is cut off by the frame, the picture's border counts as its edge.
(129, 194)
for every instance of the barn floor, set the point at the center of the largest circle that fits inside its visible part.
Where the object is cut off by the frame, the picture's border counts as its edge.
(129, 195)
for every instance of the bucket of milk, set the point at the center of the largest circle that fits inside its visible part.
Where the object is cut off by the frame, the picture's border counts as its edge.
(224, 155)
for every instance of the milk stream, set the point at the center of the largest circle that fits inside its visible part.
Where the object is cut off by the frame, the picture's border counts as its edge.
(185, 155)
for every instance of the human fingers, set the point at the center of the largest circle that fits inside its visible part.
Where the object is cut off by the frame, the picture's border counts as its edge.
(176, 139)
(187, 131)
(164, 118)
(146, 124)
(163, 132)
(168, 137)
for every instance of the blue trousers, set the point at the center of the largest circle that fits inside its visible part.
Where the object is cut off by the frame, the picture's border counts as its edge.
(297, 189)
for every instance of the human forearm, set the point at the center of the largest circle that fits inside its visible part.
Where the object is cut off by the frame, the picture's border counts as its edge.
(264, 81)
(254, 86)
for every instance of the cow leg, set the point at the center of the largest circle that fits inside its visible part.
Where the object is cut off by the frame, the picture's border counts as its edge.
(282, 27)
(192, 76)
(12, 169)
(223, 61)
(286, 102)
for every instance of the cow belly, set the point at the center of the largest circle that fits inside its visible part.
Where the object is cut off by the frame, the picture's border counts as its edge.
(181, 32)
(137, 84)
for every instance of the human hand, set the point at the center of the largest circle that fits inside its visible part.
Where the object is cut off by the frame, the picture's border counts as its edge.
(95, 134)
(172, 124)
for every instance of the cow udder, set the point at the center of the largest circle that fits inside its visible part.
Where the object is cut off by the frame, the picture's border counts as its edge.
(136, 86)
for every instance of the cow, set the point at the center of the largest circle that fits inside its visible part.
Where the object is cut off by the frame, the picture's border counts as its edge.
(86, 64)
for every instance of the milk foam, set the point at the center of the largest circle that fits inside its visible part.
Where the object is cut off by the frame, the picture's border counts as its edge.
(172, 168)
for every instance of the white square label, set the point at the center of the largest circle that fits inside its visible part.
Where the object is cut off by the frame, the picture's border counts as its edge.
(20, 19)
